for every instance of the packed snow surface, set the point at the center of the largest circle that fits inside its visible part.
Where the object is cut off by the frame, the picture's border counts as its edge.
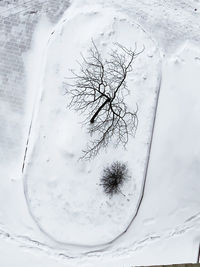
(69, 198)
(57, 210)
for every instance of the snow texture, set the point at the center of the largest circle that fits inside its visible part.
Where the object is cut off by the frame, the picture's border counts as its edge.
(56, 214)
(69, 198)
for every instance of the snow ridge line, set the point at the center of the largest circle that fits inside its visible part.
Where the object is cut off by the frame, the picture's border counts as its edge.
(27, 142)
(30, 244)
(152, 238)
(198, 256)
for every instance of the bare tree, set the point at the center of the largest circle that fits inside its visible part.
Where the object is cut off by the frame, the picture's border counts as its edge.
(98, 91)
(113, 178)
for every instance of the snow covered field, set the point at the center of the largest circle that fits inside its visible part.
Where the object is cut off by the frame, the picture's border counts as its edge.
(61, 214)
(69, 198)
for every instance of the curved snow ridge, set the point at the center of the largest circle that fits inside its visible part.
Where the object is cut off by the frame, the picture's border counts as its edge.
(31, 244)
(58, 254)
(146, 140)
(147, 240)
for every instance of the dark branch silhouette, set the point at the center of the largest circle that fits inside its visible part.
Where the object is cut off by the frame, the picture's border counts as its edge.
(98, 91)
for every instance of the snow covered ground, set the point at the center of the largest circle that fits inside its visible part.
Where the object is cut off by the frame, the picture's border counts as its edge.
(48, 219)
(69, 198)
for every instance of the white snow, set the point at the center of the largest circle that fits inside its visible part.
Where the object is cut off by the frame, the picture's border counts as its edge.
(69, 198)
(64, 211)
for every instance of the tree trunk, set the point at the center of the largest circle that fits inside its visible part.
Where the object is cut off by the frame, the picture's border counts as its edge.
(98, 110)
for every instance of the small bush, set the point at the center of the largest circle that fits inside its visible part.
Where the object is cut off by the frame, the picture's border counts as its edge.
(113, 178)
